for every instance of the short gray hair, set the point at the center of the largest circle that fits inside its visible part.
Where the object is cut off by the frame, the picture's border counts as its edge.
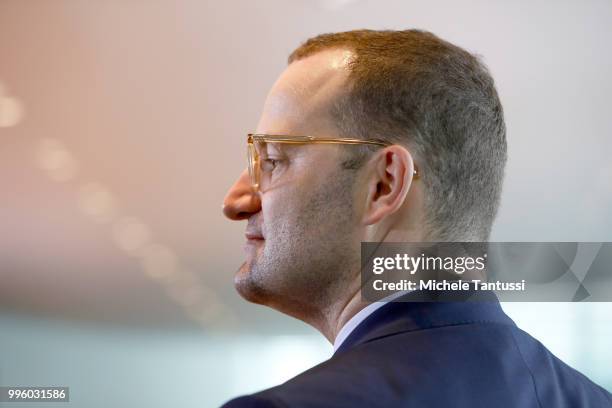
(412, 88)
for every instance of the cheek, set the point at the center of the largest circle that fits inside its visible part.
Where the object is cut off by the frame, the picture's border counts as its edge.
(291, 216)
(279, 208)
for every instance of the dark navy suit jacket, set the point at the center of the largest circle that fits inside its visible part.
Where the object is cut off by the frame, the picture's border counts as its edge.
(436, 354)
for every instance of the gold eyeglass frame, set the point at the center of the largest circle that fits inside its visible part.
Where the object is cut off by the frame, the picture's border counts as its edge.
(253, 155)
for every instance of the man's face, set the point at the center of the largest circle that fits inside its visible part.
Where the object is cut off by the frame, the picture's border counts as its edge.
(302, 235)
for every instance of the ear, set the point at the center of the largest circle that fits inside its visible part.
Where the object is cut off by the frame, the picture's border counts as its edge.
(388, 183)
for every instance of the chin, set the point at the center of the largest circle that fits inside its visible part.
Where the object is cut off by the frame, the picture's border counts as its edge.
(247, 287)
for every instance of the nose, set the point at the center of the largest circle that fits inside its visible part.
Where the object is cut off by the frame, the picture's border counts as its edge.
(241, 202)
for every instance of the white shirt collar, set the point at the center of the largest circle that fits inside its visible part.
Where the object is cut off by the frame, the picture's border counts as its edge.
(360, 316)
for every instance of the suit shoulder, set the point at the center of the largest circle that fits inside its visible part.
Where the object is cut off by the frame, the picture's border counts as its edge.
(550, 375)
(476, 364)
(254, 401)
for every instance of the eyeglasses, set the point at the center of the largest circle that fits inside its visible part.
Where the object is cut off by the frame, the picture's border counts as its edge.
(256, 143)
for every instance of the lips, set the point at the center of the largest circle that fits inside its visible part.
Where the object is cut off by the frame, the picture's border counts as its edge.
(253, 235)
(253, 231)
(254, 241)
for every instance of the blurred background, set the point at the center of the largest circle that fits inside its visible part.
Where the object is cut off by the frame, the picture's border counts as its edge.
(122, 124)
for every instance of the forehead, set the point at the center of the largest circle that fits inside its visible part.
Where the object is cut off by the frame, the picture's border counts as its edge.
(300, 100)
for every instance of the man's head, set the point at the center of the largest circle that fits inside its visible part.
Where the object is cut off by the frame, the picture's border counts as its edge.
(437, 105)
(412, 88)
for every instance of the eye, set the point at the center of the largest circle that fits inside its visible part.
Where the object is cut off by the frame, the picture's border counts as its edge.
(269, 164)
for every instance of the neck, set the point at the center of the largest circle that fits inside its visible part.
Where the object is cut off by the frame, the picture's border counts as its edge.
(341, 305)
(339, 313)
(350, 303)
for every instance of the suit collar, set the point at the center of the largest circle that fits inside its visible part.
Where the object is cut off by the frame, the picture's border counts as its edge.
(423, 310)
